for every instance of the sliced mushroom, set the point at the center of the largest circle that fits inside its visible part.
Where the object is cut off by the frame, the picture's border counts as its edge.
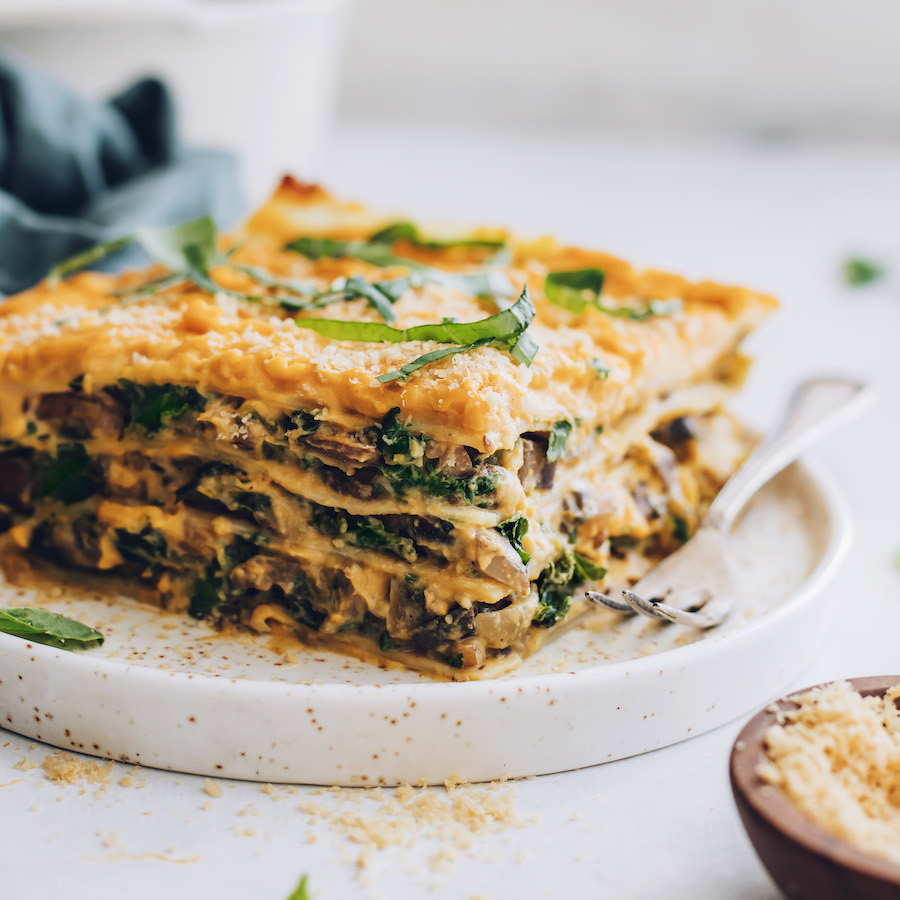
(505, 627)
(16, 472)
(439, 631)
(345, 448)
(451, 460)
(495, 557)
(535, 470)
(468, 653)
(358, 485)
(404, 611)
(678, 435)
(265, 571)
(81, 415)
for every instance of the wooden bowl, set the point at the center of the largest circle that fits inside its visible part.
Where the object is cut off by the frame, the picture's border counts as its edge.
(805, 861)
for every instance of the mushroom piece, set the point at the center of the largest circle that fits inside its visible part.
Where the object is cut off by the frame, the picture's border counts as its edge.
(451, 460)
(81, 415)
(468, 653)
(535, 468)
(265, 571)
(495, 557)
(346, 448)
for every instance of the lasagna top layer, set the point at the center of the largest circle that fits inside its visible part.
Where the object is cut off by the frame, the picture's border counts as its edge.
(483, 398)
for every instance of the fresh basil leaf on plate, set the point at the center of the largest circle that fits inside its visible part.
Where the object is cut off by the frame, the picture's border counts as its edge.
(50, 628)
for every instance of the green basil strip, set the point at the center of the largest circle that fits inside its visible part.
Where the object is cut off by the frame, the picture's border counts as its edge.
(170, 246)
(86, 257)
(165, 245)
(574, 290)
(559, 435)
(377, 251)
(407, 231)
(320, 248)
(425, 359)
(45, 627)
(577, 289)
(291, 285)
(504, 330)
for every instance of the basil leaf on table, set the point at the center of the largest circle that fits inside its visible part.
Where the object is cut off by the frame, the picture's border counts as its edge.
(44, 627)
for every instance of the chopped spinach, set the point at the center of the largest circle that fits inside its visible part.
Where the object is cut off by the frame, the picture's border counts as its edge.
(367, 532)
(386, 642)
(455, 660)
(76, 385)
(557, 583)
(145, 547)
(587, 569)
(206, 591)
(70, 477)
(514, 530)
(299, 603)
(395, 442)
(44, 627)
(305, 421)
(154, 406)
(559, 435)
(429, 481)
(680, 530)
(555, 589)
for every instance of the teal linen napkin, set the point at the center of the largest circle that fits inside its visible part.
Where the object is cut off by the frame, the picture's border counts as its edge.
(74, 172)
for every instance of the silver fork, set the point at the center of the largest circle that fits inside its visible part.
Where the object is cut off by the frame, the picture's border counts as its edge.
(694, 586)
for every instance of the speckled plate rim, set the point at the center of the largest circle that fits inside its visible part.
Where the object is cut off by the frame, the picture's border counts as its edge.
(587, 692)
(778, 810)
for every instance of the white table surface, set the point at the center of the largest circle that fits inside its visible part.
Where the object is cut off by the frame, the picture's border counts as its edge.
(777, 217)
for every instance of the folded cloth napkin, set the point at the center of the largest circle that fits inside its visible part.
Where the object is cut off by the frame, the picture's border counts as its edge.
(74, 172)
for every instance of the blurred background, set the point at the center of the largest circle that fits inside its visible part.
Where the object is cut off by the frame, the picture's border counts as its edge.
(270, 78)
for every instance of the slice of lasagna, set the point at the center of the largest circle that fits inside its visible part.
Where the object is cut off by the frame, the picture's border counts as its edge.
(403, 444)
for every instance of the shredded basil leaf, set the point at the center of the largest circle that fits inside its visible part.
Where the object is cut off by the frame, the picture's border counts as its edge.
(505, 330)
(574, 290)
(166, 245)
(409, 232)
(559, 434)
(577, 289)
(291, 285)
(49, 628)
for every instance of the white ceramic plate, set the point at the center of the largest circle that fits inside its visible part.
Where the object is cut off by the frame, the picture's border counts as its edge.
(168, 692)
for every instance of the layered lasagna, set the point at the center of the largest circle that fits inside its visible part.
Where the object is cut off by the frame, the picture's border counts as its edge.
(403, 443)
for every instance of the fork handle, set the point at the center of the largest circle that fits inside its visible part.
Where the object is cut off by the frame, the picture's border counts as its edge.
(815, 408)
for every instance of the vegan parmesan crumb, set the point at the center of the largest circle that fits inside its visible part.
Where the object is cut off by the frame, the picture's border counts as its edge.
(837, 757)
(212, 788)
(65, 768)
(454, 815)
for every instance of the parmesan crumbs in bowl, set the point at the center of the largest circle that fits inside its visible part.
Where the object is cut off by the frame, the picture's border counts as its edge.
(816, 779)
